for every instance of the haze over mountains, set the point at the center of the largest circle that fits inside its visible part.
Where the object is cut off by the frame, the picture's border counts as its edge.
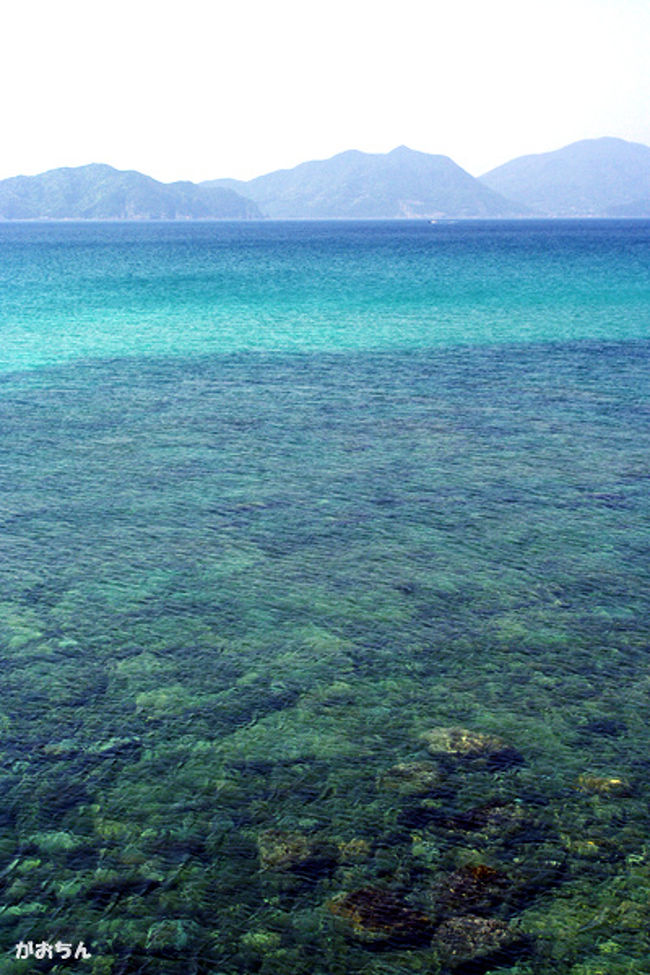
(592, 178)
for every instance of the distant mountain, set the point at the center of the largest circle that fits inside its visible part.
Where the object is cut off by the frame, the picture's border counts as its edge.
(635, 208)
(594, 178)
(99, 192)
(360, 185)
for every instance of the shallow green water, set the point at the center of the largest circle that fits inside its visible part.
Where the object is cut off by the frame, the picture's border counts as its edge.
(238, 588)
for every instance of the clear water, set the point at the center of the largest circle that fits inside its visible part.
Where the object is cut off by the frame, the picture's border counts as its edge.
(277, 499)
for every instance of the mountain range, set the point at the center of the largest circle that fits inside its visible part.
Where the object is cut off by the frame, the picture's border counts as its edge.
(592, 178)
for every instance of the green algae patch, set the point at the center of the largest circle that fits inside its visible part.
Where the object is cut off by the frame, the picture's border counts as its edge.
(261, 941)
(113, 830)
(56, 841)
(163, 701)
(19, 627)
(142, 665)
(5, 726)
(291, 735)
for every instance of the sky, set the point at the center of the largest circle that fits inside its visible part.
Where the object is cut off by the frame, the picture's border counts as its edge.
(203, 90)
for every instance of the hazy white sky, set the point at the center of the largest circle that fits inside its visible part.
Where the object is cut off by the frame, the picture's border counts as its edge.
(199, 90)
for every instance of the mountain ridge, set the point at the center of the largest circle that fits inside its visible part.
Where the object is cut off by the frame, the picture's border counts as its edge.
(358, 185)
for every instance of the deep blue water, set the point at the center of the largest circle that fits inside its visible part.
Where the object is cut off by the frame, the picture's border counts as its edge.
(96, 290)
(277, 501)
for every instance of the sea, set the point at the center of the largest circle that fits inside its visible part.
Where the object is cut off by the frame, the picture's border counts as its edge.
(325, 598)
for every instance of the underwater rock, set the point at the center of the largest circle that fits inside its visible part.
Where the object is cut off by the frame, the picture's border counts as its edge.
(115, 746)
(332, 696)
(351, 851)
(107, 885)
(536, 867)
(630, 916)
(64, 749)
(261, 941)
(411, 778)
(582, 846)
(132, 855)
(462, 743)
(114, 830)
(141, 664)
(17, 892)
(25, 908)
(604, 786)
(56, 841)
(379, 917)
(473, 889)
(171, 936)
(103, 965)
(67, 748)
(490, 817)
(481, 941)
(282, 850)
(611, 727)
(162, 702)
